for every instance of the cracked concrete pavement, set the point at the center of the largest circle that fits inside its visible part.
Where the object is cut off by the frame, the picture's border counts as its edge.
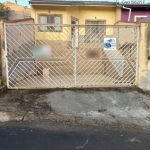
(123, 107)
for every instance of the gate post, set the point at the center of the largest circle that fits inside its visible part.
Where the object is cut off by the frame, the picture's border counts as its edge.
(144, 57)
(6, 56)
(3, 53)
(75, 67)
(137, 51)
(1, 23)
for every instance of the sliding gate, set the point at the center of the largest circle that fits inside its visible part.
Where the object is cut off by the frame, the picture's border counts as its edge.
(80, 56)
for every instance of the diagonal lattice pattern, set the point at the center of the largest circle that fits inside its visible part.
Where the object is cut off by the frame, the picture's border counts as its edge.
(78, 58)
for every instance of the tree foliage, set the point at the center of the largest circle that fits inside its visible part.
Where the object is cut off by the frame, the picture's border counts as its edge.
(4, 11)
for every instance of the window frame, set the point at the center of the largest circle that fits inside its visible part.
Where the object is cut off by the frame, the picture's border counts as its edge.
(46, 15)
(88, 20)
(96, 20)
(138, 16)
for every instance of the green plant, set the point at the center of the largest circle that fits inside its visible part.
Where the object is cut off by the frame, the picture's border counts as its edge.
(4, 11)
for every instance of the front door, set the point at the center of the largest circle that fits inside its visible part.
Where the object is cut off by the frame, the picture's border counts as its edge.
(74, 32)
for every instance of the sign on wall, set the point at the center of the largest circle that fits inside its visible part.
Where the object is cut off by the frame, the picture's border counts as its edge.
(110, 43)
(132, 2)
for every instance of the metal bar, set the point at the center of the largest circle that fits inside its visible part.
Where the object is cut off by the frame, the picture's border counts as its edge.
(20, 45)
(7, 76)
(75, 67)
(70, 25)
(24, 75)
(137, 56)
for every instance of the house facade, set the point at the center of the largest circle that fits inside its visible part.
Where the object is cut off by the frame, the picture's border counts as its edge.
(63, 12)
(69, 12)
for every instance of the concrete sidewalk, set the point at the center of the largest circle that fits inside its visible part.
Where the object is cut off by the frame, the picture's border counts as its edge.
(123, 107)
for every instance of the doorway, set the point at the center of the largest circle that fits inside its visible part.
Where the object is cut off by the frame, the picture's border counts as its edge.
(74, 32)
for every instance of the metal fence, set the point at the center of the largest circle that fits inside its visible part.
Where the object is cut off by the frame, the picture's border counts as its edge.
(78, 58)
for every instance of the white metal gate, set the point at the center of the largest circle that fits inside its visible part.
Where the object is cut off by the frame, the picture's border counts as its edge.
(78, 58)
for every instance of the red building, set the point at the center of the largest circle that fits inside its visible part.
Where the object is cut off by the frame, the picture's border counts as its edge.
(134, 13)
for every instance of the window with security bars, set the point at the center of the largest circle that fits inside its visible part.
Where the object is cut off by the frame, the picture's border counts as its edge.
(94, 32)
(52, 20)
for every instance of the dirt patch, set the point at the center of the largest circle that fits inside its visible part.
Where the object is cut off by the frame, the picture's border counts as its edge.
(113, 116)
(27, 101)
(34, 103)
(102, 110)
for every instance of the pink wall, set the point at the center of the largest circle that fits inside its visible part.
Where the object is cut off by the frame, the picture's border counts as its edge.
(134, 12)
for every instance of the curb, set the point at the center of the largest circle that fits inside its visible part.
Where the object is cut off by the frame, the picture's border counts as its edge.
(3, 88)
(59, 118)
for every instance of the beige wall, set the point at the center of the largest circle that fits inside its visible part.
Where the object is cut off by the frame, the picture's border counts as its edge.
(118, 14)
(80, 12)
(144, 52)
(128, 33)
(97, 13)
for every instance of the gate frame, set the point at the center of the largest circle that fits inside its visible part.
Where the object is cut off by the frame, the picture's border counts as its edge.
(137, 57)
(6, 49)
(75, 59)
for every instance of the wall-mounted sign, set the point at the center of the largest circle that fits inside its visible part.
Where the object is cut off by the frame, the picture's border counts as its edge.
(132, 2)
(110, 43)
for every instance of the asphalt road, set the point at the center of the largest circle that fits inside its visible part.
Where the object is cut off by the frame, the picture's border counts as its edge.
(50, 136)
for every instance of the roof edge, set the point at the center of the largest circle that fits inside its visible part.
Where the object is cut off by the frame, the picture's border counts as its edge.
(75, 3)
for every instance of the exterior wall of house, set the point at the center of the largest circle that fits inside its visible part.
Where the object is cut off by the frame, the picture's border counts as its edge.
(82, 13)
(128, 33)
(144, 53)
(45, 11)
(118, 14)
(134, 12)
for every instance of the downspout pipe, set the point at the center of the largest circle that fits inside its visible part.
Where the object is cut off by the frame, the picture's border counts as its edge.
(129, 12)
